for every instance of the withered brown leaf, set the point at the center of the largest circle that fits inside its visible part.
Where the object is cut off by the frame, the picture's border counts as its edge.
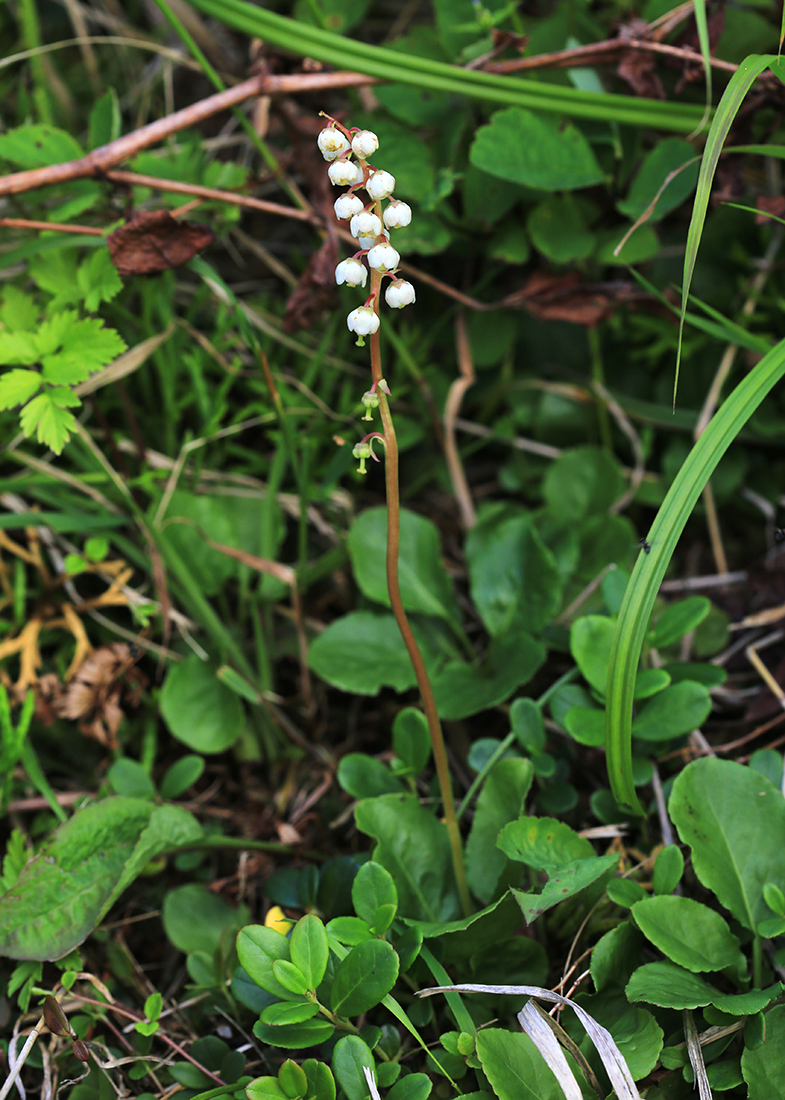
(93, 695)
(153, 241)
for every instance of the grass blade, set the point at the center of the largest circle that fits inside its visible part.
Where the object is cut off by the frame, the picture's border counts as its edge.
(733, 96)
(648, 574)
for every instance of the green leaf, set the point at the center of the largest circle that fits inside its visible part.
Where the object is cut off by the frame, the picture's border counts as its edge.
(349, 930)
(671, 986)
(373, 888)
(411, 739)
(590, 644)
(668, 869)
(321, 1083)
(582, 482)
(86, 347)
(290, 977)
(17, 387)
(18, 348)
(733, 820)
(586, 725)
(625, 892)
(616, 956)
(98, 280)
(292, 1080)
(674, 712)
(522, 147)
(563, 884)
(501, 801)
(689, 933)
(763, 1068)
(462, 690)
(309, 1033)
(543, 843)
(286, 1013)
(514, 1067)
(38, 146)
(181, 775)
(67, 888)
(153, 1006)
(667, 156)
(105, 120)
(258, 948)
(514, 579)
(425, 586)
(52, 425)
(199, 710)
(558, 228)
(364, 776)
(265, 1088)
(679, 619)
(18, 311)
(364, 978)
(415, 1086)
(361, 653)
(350, 1057)
(197, 921)
(308, 949)
(414, 847)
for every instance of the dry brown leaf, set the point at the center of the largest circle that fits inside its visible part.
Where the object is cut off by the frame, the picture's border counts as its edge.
(153, 241)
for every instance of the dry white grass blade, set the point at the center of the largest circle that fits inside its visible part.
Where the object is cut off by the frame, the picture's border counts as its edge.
(696, 1056)
(615, 1066)
(371, 1083)
(548, 1046)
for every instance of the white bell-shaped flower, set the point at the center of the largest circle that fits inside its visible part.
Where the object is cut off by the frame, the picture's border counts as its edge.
(332, 143)
(399, 293)
(352, 272)
(344, 173)
(364, 321)
(365, 144)
(397, 214)
(381, 185)
(366, 224)
(346, 206)
(383, 257)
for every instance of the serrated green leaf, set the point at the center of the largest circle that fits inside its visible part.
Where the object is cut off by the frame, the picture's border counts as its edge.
(52, 425)
(19, 311)
(98, 279)
(86, 347)
(18, 348)
(38, 146)
(50, 333)
(17, 387)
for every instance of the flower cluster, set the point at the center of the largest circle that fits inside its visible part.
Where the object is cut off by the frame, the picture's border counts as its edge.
(369, 222)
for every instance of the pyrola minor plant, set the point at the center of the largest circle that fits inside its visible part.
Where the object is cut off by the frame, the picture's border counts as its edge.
(370, 223)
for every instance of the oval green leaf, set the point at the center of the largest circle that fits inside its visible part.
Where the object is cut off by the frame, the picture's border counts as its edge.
(364, 978)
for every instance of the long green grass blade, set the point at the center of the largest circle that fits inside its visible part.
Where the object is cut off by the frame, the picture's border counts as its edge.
(425, 73)
(733, 96)
(648, 573)
(705, 48)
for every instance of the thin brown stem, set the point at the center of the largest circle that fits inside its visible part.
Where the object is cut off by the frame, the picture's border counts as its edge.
(401, 618)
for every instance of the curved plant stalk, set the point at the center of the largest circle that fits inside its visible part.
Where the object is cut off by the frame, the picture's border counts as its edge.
(648, 574)
(427, 74)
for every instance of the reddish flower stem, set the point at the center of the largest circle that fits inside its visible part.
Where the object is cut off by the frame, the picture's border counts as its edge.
(401, 618)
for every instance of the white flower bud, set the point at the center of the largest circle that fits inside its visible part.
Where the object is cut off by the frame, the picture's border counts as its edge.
(332, 143)
(364, 243)
(366, 224)
(399, 294)
(383, 257)
(381, 185)
(397, 214)
(343, 173)
(364, 144)
(352, 272)
(364, 321)
(346, 206)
